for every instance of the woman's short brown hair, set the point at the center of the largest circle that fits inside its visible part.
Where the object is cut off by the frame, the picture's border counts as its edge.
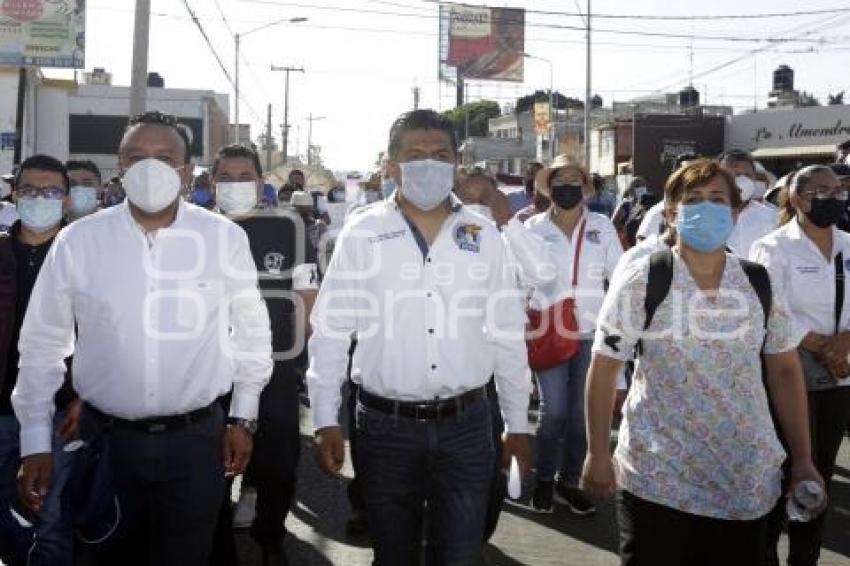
(695, 174)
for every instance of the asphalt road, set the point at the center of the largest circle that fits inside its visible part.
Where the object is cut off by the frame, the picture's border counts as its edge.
(317, 527)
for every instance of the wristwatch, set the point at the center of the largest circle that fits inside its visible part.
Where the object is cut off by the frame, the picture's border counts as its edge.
(249, 425)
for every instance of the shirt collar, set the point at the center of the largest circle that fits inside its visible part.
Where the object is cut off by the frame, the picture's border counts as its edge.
(128, 216)
(795, 232)
(455, 204)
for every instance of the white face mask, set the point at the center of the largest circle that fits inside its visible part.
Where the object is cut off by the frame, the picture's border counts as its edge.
(747, 186)
(151, 185)
(40, 214)
(482, 210)
(760, 189)
(236, 197)
(83, 200)
(426, 183)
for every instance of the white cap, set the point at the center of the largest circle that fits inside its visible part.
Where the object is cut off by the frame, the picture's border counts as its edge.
(301, 198)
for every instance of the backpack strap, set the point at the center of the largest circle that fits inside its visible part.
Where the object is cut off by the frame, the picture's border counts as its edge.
(839, 290)
(760, 280)
(657, 286)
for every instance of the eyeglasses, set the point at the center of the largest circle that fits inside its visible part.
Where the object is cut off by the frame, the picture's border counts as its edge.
(822, 193)
(48, 192)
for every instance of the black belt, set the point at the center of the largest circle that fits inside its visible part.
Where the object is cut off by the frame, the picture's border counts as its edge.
(155, 425)
(422, 410)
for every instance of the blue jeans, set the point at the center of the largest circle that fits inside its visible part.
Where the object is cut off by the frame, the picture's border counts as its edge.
(446, 465)
(50, 543)
(562, 418)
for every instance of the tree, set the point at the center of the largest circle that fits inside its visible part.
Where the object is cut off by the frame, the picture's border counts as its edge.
(480, 113)
(836, 99)
(808, 99)
(561, 102)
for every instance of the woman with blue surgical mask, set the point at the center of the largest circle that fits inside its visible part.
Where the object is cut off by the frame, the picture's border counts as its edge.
(698, 464)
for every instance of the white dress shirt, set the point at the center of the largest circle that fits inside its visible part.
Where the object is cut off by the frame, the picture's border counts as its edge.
(808, 279)
(651, 223)
(166, 322)
(8, 216)
(755, 221)
(600, 251)
(431, 323)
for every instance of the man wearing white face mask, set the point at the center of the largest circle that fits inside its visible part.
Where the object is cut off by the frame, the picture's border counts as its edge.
(85, 188)
(163, 297)
(753, 219)
(42, 195)
(289, 281)
(424, 287)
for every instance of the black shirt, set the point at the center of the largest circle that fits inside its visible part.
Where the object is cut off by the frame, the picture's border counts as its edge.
(28, 262)
(274, 241)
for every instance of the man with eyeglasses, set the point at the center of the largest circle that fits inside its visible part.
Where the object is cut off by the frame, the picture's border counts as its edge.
(41, 195)
(85, 188)
(168, 319)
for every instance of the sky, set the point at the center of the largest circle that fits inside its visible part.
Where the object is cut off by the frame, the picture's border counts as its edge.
(362, 58)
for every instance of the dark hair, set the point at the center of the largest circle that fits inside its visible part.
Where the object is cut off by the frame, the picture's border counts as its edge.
(237, 151)
(157, 118)
(84, 165)
(729, 158)
(686, 157)
(42, 162)
(294, 171)
(419, 120)
(479, 177)
(844, 146)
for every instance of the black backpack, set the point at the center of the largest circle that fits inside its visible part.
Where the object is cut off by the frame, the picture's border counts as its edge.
(661, 277)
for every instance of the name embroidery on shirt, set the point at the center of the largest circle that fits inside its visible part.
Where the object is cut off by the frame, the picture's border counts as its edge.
(467, 237)
(592, 236)
(388, 236)
(808, 269)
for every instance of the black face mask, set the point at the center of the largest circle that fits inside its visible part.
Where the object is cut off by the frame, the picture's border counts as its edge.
(648, 200)
(567, 196)
(529, 186)
(826, 212)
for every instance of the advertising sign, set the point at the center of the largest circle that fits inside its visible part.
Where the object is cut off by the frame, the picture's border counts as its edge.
(485, 43)
(541, 118)
(43, 33)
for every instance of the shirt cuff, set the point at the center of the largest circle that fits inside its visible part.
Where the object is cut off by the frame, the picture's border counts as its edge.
(517, 422)
(244, 405)
(36, 440)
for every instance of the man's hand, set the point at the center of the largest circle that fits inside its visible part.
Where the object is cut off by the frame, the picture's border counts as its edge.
(517, 446)
(34, 479)
(597, 477)
(835, 350)
(804, 471)
(330, 449)
(238, 446)
(814, 342)
(70, 424)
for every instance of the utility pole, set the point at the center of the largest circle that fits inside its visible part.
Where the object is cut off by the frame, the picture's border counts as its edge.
(416, 98)
(141, 35)
(310, 120)
(587, 97)
(269, 141)
(285, 143)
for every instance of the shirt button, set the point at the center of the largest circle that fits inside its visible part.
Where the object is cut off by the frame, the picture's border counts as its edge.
(430, 331)
(429, 295)
(433, 366)
(429, 260)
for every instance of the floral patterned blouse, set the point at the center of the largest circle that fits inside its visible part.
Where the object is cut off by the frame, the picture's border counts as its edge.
(697, 435)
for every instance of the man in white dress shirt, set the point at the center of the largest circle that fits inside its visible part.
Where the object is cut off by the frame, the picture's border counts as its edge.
(168, 318)
(425, 287)
(754, 219)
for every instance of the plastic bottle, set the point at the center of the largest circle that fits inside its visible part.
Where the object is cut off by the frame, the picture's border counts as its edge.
(807, 498)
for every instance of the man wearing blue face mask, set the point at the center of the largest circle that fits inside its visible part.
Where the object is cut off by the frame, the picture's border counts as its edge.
(42, 196)
(85, 188)
(424, 287)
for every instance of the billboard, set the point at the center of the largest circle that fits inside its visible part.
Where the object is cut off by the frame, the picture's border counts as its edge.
(483, 43)
(660, 139)
(43, 33)
(541, 118)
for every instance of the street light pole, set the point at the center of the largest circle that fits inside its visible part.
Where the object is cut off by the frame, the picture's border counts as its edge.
(587, 97)
(236, 42)
(285, 143)
(311, 119)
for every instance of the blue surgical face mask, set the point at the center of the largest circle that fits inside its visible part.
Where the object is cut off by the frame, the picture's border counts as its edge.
(201, 195)
(83, 200)
(40, 214)
(387, 187)
(704, 226)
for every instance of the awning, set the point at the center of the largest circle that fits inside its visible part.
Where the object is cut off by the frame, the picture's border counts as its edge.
(794, 151)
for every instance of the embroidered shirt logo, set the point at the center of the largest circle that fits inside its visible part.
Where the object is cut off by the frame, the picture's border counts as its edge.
(467, 237)
(274, 262)
(592, 236)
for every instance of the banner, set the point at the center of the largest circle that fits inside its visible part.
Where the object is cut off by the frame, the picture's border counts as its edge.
(43, 33)
(541, 118)
(486, 43)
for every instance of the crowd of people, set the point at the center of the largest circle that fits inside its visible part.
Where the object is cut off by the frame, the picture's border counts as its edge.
(157, 330)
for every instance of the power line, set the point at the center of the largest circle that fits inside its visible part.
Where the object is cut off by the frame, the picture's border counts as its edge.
(551, 26)
(215, 54)
(665, 17)
(223, 18)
